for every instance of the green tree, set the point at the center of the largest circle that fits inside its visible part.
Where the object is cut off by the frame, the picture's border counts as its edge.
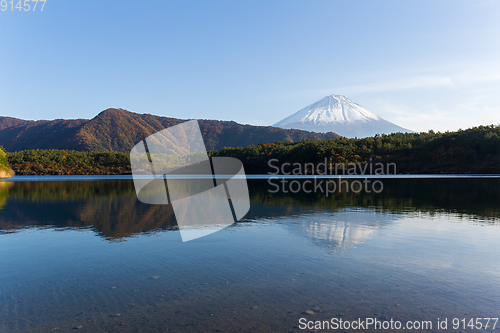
(4, 162)
(5, 170)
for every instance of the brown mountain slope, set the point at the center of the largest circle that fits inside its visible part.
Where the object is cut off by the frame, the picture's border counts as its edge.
(120, 130)
(41, 134)
(6, 122)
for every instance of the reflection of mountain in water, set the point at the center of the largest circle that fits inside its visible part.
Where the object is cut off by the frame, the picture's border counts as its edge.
(112, 218)
(111, 209)
(339, 231)
(341, 234)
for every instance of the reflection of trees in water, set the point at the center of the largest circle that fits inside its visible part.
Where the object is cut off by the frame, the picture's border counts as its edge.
(112, 210)
(4, 192)
(108, 207)
(69, 190)
(124, 217)
(477, 198)
(112, 218)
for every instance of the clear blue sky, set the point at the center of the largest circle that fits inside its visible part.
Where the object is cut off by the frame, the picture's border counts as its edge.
(421, 64)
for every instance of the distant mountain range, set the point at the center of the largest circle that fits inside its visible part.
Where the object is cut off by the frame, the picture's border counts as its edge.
(119, 130)
(340, 115)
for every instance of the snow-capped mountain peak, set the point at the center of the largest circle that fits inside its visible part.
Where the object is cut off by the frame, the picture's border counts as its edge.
(336, 113)
(333, 108)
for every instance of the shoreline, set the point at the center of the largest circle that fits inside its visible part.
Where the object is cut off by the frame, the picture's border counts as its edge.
(19, 177)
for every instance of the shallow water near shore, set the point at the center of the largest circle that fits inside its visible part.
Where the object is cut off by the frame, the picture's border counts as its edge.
(86, 256)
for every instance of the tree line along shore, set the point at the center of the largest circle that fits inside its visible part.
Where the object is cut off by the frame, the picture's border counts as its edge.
(472, 151)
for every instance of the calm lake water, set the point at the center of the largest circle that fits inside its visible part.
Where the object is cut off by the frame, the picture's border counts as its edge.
(87, 256)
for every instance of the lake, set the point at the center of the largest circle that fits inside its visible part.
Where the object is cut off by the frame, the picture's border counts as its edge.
(84, 255)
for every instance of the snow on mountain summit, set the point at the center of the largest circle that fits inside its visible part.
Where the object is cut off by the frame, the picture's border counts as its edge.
(336, 113)
(333, 108)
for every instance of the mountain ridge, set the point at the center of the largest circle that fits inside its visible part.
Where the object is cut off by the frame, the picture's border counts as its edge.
(119, 130)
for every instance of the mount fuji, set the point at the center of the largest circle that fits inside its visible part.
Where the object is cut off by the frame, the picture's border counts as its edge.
(338, 114)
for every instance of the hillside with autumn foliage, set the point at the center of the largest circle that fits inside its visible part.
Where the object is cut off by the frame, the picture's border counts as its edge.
(475, 150)
(118, 130)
